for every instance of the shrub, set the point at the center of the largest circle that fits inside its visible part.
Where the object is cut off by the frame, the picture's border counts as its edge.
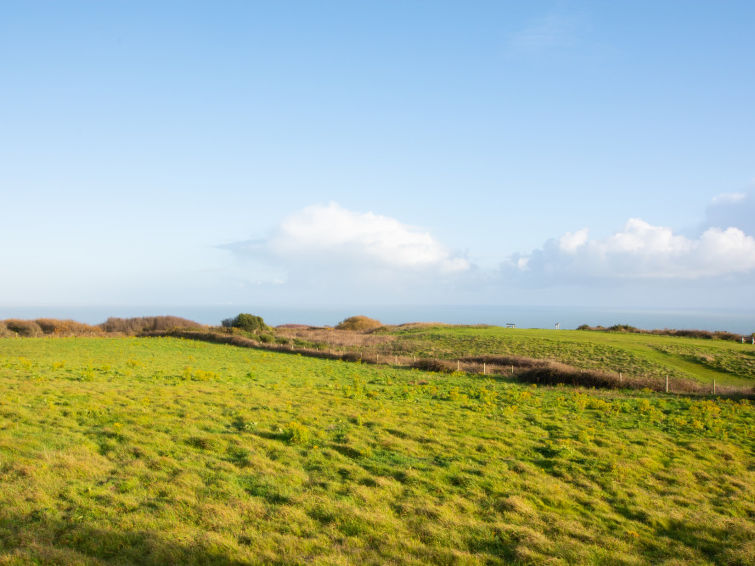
(434, 365)
(4, 332)
(147, 324)
(67, 327)
(23, 327)
(246, 321)
(359, 323)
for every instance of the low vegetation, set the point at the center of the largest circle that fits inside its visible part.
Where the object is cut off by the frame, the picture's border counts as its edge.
(359, 323)
(113, 325)
(139, 325)
(247, 322)
(705, 334)
(169, 451)
(637, 357)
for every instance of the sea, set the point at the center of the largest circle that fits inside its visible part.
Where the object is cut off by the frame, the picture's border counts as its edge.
(739, 321)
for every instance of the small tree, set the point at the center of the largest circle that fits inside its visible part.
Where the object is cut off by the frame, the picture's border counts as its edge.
(246, 321)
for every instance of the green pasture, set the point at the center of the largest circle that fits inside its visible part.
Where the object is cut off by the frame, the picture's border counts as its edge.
(167, 451)
(727, 362)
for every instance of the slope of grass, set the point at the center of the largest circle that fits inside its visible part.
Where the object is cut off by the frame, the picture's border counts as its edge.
(158, 451)
(633, 354)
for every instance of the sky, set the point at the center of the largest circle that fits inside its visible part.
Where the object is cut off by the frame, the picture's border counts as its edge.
(325, 153)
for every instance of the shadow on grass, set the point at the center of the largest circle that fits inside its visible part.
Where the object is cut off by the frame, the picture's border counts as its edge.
(714, 542)
(37, 538)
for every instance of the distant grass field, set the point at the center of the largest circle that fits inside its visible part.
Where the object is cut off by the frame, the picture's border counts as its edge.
(727, 362)
(167, 451)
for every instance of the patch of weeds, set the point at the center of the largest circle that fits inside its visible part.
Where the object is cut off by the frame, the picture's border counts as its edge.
(296, 433)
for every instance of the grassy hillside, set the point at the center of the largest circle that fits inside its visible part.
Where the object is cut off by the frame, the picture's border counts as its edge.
(158, 451)
(727, 362)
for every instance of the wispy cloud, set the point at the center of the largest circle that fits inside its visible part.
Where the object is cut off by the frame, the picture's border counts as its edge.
(552, 31)
(728, 198)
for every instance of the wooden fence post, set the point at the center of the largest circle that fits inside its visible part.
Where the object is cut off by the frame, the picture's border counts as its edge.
(714, 386)
(484, 369)
(667, 384)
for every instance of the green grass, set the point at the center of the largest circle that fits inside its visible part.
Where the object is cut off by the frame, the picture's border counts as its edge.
(167, 451)
(729, 363)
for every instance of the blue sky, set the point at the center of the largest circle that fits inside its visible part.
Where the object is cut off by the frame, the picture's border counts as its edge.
(377, 152)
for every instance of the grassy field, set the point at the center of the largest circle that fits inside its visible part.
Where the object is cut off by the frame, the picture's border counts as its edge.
(167, 451)
(728, 362)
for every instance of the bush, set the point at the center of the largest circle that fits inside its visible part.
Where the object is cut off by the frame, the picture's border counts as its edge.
(435, 365)
(147, 324)
(246, 321)
(23, 327)
(67, 327)
(359, 323)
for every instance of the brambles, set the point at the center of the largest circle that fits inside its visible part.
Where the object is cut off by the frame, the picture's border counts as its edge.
(138, 325)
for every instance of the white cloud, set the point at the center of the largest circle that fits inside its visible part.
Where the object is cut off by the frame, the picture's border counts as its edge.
(641, 251)
(342, 233)
(332, 237)
(570, 242)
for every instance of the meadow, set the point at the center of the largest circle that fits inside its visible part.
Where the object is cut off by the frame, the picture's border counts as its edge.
(634, 355)
(170, 451)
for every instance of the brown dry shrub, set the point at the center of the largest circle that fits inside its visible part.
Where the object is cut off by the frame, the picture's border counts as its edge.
(555, 373)
(141, 324)
(435, 365)
(359, 323)
(67, 327)
(4, 332)
(507, 361)
(23, 327)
